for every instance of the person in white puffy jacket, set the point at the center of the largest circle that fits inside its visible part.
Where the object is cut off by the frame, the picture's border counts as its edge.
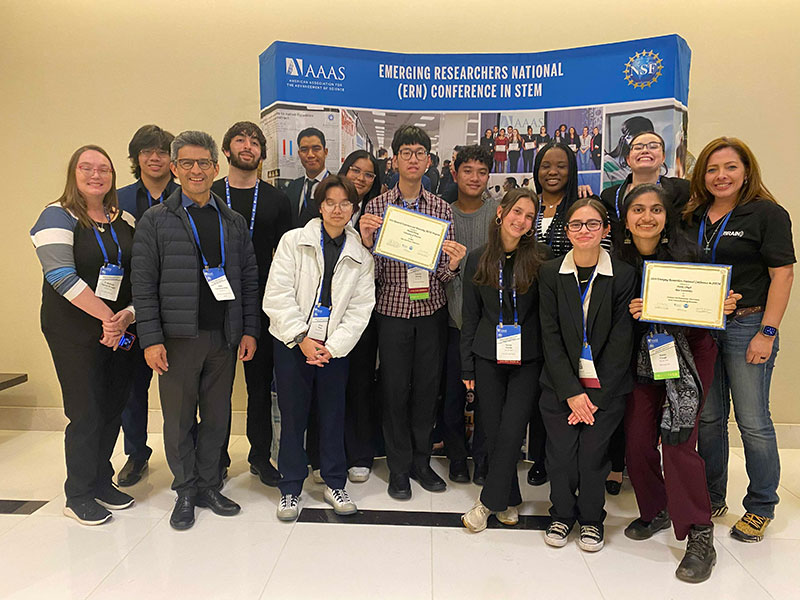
(319, 297)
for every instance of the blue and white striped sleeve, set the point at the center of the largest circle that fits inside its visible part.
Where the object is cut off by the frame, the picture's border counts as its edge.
(52, 236)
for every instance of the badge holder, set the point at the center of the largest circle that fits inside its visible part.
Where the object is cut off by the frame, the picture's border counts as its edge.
(587, 374)
(109, 281)
(214, 276)
(508, 338)
(321, 315)
(419, 283)
(663, 356)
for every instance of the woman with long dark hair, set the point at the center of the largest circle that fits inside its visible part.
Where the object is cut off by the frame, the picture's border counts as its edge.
(84, 243)
(583, 306)
(501, 348)
(729, 197)
(667, 410)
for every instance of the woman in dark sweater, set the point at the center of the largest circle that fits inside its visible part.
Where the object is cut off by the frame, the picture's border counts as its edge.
(501, 348)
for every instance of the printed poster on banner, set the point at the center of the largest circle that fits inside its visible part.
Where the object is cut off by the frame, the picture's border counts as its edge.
(594, 99)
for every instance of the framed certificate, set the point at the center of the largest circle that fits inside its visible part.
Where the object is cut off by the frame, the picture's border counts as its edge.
(411, 237)
(688, 294)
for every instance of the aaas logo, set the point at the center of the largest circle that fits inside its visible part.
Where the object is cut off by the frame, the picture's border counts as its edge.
(296, 67)
(643, 69)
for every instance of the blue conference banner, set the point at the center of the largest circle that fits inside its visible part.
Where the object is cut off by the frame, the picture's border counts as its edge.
(644, 69)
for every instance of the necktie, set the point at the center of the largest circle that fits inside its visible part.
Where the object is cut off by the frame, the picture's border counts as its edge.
(309, 184)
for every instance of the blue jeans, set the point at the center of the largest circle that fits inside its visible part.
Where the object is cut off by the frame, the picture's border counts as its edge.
(748, 386)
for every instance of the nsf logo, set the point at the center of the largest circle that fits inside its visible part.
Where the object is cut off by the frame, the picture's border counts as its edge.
(643, 69)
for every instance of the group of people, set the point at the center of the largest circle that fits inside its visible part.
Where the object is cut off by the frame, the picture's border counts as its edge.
(513, 152)
(533, 307)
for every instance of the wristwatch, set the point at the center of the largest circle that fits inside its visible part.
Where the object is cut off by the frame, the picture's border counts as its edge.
(299, 338)
(768, 330)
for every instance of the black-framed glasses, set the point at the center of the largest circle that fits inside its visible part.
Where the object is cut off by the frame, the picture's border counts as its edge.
(591, 225)
(187, 163)
(368, 175)
(407, 153)
(639, 146)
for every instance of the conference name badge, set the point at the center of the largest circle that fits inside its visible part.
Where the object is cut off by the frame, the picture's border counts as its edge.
(509, 344)
(218, 282)
(663, 357)
(586, 371)
(109, 282)
(318, 329)
(419, 283)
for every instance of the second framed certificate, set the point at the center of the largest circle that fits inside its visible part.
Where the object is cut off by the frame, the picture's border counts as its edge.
(411, 237)
(688, 294)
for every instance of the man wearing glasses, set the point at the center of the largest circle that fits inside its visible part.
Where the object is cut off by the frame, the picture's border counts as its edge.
(269, 215)
(195, 281)
(412, 322)
(312, 152)
(148, 152)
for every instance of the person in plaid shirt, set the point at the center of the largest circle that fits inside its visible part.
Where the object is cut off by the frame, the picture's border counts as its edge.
(412, 322)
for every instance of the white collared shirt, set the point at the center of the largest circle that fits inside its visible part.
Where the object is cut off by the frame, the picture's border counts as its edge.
(603, 268)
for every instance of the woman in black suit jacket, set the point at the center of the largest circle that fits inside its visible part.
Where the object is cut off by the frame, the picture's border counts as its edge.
(501, 298)
(588, 343)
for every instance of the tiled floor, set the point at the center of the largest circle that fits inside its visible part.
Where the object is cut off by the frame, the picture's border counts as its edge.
(253, 555)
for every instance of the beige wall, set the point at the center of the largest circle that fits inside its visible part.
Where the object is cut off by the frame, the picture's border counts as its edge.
(90, 72)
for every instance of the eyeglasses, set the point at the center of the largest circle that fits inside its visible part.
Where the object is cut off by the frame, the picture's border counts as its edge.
(89, 169)
(407, 153)
(187, 163)
(148, 152)
(591, 225)
(649, 145)
(332, 206)
(361, 173)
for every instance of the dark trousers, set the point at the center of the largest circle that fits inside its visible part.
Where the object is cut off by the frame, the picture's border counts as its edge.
(506, 395)
(452, 425)
(361, 417)
(577, 458)
(513, 162)
(200, 377)
(537, 434)
(258, 378)
(95, 384)
(527, 160)
(616, 448)
(297, 383)
(134, 415)
(412, 354)
(682, 487)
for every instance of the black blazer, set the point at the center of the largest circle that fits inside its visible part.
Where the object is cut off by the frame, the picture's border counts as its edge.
(481, 315)
(609, 330)
(677, 189)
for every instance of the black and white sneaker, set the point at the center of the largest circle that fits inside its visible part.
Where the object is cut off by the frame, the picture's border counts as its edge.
(113, 498)
(591, 538)
(340, 500)
(86, 512)
(288, 507)
(557, 534)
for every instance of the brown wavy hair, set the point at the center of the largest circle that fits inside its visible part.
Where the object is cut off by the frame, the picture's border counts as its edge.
(72, 200)
(752, 189)
(529, 254)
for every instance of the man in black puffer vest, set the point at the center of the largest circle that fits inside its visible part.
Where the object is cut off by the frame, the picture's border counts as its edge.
(195, 286)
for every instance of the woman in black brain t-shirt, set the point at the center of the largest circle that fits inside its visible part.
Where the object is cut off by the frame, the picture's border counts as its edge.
(737, 221)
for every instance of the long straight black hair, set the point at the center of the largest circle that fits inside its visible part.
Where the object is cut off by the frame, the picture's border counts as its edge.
(529, 254)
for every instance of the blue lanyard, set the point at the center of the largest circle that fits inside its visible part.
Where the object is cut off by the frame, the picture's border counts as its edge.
(197, 239)
(717, 235)
(583, 298)
(103, 247)
(150, 198)
(619, 189)
(255, 204)
(513, 296)
(322, 245)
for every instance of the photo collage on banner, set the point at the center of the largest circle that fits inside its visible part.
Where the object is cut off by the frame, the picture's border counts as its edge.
(593, 99)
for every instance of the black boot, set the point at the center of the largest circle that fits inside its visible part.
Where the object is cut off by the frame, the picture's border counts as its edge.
(700, 555)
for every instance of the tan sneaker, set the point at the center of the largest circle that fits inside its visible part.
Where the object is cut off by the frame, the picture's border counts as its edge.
(750, 528)
(509, 516)
(475, 520)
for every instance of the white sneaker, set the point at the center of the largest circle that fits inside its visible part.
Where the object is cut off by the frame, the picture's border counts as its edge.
(315, 475)
(288, 507)
(557, 534)
(340, 501)
(591, 538)
(509, 516)
(358, 474)
(476, 518)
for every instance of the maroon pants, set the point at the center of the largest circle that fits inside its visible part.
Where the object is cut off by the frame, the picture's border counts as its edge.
(681, 489)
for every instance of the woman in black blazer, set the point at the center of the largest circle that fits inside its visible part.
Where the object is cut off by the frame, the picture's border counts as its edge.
(587, 335)
(501, 349)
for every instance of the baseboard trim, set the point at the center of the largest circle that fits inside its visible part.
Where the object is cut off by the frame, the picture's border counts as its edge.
(34, 418)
